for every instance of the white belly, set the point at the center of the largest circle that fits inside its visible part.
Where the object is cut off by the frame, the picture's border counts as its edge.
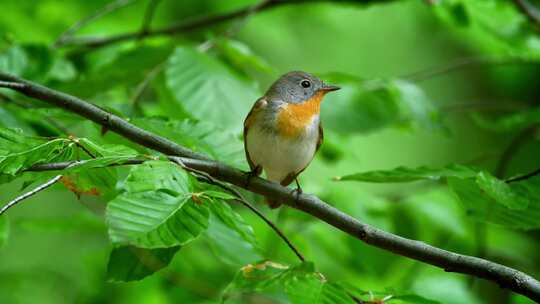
(280, 156)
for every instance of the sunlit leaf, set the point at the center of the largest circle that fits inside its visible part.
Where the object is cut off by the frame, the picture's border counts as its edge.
(208, 90)
(156, 209)
(130, 263)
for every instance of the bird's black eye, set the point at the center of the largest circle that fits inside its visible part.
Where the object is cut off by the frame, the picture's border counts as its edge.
(305, 83)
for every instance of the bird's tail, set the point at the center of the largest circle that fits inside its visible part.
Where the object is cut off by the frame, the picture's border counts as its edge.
(272, 202)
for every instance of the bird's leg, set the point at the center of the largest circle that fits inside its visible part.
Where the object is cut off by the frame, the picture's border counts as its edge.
(254, 172)
(298, 189)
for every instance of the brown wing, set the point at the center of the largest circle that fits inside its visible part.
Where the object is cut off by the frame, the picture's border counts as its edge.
(291, 176)
(248, 122)
(320, 139)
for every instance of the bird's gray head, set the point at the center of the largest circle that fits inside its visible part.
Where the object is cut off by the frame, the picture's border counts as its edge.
(297, 87)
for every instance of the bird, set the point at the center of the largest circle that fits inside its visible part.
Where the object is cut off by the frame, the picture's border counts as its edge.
(283, 131)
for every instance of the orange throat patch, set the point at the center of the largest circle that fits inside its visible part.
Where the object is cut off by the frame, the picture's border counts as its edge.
(293, 119)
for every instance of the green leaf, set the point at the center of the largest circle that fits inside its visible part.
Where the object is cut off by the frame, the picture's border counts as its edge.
(486, 197)
(369, 105)
(37, 62)
(200, 137)
(130, 263)
(241, 57)
(501, 191)
(301, 283)
(13, 60)
(510, 122)
(156, 209)
(125, 69)
(385, 296)
(483, 206)
(19, 152)
(230, 236)
(4, 230)
(208, 90)
(95, 176)
(495, 26)
(404, 174)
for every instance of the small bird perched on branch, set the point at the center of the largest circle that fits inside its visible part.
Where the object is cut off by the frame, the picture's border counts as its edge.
(283, 131)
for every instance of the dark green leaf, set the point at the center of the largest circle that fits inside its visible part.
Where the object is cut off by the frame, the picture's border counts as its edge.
(130, 263)
(208, 90)
(156, 209)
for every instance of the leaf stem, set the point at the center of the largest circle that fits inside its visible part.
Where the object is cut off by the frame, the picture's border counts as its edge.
(28, 194)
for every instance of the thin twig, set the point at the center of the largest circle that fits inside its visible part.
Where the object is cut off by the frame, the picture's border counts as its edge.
(464, 63)
(195, 24)
(141, 88)
(11, 85)
(529, 10)
(28, 194)
(240, 198)
(504, 276)
(107, 9)
(524, 176)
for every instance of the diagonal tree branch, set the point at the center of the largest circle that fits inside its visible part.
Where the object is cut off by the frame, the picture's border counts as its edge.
(96, 42)
(507, 277)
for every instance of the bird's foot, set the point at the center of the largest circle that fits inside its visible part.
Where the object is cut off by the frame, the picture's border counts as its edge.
(251, 174)
(298, 191)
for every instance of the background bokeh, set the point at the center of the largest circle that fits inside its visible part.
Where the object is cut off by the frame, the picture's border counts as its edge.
(57, 246)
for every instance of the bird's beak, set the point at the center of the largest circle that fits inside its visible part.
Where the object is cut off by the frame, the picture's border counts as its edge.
(329, 88)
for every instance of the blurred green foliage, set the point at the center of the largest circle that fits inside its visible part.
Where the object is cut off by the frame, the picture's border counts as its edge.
(151, 233)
